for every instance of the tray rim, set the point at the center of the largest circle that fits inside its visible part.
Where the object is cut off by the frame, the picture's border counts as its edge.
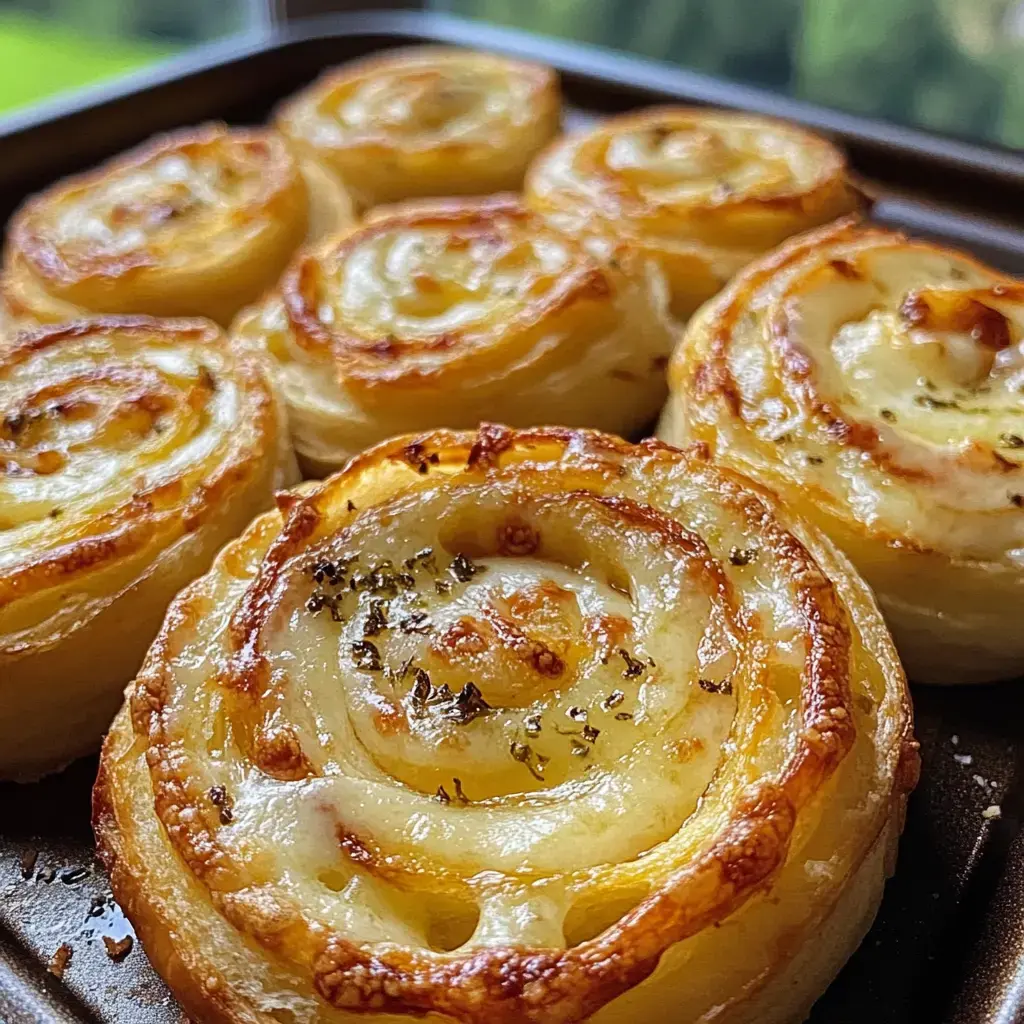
(626, 70)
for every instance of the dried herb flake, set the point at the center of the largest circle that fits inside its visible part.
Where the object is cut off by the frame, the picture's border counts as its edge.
(931, 402)
(634, 667)
(417, 622)
(613, 700)
(710, 686)
(742, 556)
(464, 568)
(366, 656)
(376, 618)
(220, 799)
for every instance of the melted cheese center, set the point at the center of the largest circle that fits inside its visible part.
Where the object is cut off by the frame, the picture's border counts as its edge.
(174, 201)
(921, 354)
(91, 423)
(704, 162)
(421, 283)
(453, 100)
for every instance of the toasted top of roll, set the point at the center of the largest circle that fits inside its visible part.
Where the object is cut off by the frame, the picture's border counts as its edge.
(704, 190)
(118, 436)
(196, 222)
(446, 313)
(426, 121)
(487, 723)
(881, 376)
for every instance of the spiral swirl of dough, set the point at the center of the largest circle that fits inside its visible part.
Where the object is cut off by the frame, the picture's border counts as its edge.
(876, 383)
(195, 223)
(446, 314)
(131, 449)
(426, 121)
(511, 726)
(703, 192)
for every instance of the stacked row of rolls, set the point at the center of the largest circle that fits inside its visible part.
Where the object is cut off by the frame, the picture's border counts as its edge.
(365, 748)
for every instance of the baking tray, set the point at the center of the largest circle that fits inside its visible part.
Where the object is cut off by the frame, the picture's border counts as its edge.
(948, 944)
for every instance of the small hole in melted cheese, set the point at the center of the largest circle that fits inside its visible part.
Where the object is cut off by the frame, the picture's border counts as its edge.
(587, 919)
(333, 879)
(449, 922)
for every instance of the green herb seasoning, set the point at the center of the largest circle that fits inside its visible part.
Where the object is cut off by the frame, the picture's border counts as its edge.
(464, 568)
(366, 656)
(742, 556)
(710, 686)
(376, 618)
(634, 667)
(220, 799)
(613, 700)
(931, 402)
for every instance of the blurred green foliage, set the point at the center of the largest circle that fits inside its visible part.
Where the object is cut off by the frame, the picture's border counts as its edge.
(38, 59)
(951, 65)
(171, 21)
(49, 46)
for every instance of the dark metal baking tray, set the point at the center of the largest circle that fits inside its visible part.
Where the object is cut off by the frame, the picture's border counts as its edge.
(948, 944)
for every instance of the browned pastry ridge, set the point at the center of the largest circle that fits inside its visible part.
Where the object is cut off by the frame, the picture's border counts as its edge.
(447, 313)
(194, 223)
(511, 726)
(875, 382)
(702, 192)
(426, 121)
(131, 449)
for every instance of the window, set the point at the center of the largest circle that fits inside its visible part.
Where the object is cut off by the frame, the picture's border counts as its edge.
(953, 66)
(48, 46)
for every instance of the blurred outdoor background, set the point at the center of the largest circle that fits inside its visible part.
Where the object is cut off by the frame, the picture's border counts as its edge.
(50, 46)
(954, 66)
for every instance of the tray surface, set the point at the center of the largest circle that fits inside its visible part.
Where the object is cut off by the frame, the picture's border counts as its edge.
(948, 944)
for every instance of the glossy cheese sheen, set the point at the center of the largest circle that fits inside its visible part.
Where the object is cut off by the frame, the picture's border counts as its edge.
(130, 449)
(702, 192)
(193, 223)
(555, 728)
(446, 313)
(877, 381)
(426, 121)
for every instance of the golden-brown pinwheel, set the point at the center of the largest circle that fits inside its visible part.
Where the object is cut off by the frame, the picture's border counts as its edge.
(131, 449)
(426, 121)
(702, 192)
(446, 314)
(876, 383)
(511, 726)
(195, 223)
